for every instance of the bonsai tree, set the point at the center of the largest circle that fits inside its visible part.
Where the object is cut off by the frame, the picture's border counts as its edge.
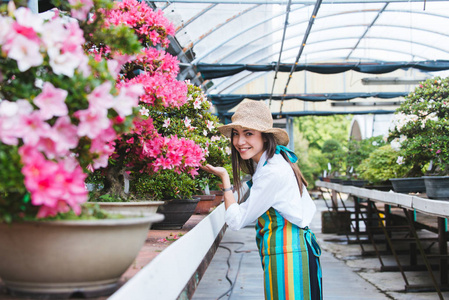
(382, 164)
(175, 131)
(421, 128)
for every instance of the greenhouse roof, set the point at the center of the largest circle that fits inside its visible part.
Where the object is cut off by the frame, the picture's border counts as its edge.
(255, 38)
(234, 44)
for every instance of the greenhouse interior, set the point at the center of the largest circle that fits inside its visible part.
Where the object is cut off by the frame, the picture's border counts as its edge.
(120, 180)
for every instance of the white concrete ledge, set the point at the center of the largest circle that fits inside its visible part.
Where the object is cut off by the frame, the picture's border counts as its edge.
(166, 276)
(439, 208)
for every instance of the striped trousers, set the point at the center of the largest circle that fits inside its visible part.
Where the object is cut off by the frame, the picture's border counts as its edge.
(290, 259)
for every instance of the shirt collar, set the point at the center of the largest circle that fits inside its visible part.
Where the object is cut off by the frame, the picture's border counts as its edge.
(262, 160)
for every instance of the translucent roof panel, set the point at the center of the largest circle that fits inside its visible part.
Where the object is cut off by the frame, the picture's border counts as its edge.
(255, 32)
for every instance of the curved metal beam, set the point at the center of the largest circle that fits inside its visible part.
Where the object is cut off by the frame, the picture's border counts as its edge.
(338, 14)
(184, 25)
(205, 35)
(281, 2)
(355, 37)
(325, 29)
(238, 34)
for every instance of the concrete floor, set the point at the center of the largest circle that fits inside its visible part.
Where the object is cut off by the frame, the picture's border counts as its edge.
(347, 275)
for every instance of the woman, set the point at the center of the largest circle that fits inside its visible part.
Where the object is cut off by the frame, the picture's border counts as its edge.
(278, 200)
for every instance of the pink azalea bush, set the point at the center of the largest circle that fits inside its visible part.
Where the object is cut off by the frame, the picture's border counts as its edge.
(60, 111)
(162, 154)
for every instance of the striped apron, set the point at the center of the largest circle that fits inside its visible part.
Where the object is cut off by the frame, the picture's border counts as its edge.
(290, 259)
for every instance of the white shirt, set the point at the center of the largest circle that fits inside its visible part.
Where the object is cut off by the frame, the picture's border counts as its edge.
(274, 185)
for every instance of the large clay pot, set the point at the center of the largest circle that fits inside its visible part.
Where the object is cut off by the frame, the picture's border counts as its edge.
(176, 213)
(408, 185)
(437, 187)
(60, 258)
(135, 207)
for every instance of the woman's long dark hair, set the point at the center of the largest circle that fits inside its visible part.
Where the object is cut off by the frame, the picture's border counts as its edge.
(247, 166)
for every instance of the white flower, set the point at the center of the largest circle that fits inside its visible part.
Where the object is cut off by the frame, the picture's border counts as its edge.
(25, 52)
(395, 145)
(215, 138)
(187, 122)
(228, 150)
(400, 160)
(205, 132)
(144, 111)
(166, 123)
(197, 104)
(375, 143)
(210, 125)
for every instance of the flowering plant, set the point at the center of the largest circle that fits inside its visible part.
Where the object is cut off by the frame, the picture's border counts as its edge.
(60, 111)
(420, 128)
(173, 133)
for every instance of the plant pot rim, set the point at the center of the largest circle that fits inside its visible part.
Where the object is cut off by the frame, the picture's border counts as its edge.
(129, 219)
(437, 177)
(130, 203)
(406, 178)
(192, 199)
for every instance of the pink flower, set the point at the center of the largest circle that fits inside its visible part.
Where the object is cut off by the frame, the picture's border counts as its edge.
(65, 135)
(124, 103)
(92, 122)
(100, 99)
(51, 101)
(80, 8)
(53, 185)
(33, 127)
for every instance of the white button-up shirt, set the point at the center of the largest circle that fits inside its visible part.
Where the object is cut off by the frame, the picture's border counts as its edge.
(274, 185)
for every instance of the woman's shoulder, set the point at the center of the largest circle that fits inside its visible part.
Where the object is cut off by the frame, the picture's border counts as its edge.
(276, 164)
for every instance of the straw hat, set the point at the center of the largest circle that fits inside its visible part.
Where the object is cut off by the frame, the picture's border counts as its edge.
(255, 115)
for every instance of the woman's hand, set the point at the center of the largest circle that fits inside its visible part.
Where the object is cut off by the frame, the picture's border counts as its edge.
(219, 171)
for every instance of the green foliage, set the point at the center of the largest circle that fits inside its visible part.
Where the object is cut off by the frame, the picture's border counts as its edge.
(360, 150)
(421, 127)
(382, 165)
(334, 154)
(166, 185)
(313, 132)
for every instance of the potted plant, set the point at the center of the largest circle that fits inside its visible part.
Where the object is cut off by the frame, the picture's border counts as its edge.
(381, 165)
(151, 147)
(420, 130)
(54, 123)
(357, 152)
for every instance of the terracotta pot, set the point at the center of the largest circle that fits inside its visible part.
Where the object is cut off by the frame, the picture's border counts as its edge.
(60, 258)
(219, 197)
(205, 205)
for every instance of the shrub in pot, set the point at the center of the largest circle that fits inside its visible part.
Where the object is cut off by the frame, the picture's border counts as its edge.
(420, 129)
(60, 111)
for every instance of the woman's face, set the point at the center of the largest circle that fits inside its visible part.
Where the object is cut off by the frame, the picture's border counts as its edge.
(249, 143)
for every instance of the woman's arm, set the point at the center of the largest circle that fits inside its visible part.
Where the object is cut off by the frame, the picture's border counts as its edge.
(224, 176)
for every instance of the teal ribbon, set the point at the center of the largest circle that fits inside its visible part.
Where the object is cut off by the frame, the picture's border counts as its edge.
(290, 154)
(310, 238)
